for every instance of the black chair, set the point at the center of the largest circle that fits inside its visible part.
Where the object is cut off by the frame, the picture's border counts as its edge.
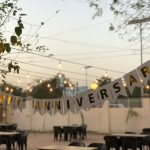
(12, 127)
(68, 133)
(77, 143)
(146, 130)
(82, 130)
(4, 141)
(57, 132)
(112, 142)
(99, 146)
(130, 143)
(22, 140)
(145, 141)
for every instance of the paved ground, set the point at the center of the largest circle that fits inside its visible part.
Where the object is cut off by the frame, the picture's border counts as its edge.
(36, 140)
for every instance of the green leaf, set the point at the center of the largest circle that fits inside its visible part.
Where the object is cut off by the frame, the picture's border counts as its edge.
(13, 40)
(18, 30)
(8, 48)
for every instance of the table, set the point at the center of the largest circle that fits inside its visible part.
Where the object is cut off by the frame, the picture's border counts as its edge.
(129, 135)
(140, 137)
(8, 136)
(61, 147)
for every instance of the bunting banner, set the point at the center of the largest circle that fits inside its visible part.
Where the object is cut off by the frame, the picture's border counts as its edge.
(68, 105)
(117, 88)
(132, 80)
(38, 105)
(86, 100)
(58, 106)
(47, 106)
(144, 72)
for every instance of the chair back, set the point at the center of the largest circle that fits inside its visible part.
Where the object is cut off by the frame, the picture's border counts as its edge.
(22, 140)
(112, 142)
(57, 132)
(129, 143)
(77, 143)
(146, 130)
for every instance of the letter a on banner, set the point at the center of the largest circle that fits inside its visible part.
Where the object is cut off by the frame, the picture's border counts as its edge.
(117, 88)
(38, 105)
(144, 72)
(132, 80)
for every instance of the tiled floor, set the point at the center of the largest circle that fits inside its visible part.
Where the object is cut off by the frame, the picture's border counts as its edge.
(36, 140)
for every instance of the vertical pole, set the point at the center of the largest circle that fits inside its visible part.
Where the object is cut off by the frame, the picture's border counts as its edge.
(86, 77)
(141, 43)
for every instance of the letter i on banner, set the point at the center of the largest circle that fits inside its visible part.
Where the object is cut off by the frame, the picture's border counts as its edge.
(117, 88)
(132, 80)
(80, 101)
(144, 72)
(68, 105)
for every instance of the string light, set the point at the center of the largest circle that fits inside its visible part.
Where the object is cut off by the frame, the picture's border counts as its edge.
(19, 81)
(147, 87)
(94, 86)
(41, 81)
(48, 85)
(7, 88)
(106, 75)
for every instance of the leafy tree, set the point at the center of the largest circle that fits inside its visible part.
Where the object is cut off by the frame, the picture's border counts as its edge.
(8, 8)
(11, 89)
(103, 80)
(42, 90)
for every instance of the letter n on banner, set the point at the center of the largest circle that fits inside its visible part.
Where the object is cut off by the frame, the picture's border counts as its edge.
(47, 106)
(144, 72)
(58, 106)
(132, 80)
(117, 88)
(68, 105)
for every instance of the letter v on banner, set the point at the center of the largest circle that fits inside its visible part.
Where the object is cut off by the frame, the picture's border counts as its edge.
(144, 72)
(132, 80)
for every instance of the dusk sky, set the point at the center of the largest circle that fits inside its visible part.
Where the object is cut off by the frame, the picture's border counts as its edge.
(75, 40)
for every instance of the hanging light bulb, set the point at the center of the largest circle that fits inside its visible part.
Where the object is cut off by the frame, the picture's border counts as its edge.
(106, 75)
(7, 88)
(51, 89)
(27, 76)
(48, 85)
(19, 81)
(41, 81)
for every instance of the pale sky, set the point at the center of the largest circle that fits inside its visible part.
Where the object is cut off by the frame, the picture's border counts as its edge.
(73, 36)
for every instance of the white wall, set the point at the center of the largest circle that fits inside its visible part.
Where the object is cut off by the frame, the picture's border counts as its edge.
(102, 120)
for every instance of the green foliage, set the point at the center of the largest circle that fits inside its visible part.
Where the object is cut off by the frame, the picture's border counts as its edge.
(7, 8)
(103, 81)
(17, 91)
(131, 113)
(42, 91)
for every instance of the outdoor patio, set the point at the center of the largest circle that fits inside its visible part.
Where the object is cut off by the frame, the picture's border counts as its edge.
(36, 140)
